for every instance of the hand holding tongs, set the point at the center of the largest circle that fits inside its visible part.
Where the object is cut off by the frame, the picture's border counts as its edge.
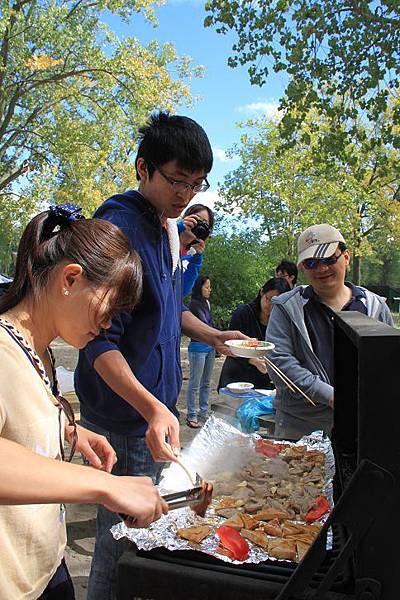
(198, 497)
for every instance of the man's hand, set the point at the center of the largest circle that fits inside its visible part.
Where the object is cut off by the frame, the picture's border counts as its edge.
(220, 337)
(260, 364)
(331, 402)
(95, 448)
(163, 425)
(113, 368)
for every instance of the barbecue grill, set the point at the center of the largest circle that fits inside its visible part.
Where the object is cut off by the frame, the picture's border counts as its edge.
(363, 561)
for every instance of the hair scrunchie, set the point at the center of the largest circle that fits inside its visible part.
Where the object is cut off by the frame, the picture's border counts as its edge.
(60, 215)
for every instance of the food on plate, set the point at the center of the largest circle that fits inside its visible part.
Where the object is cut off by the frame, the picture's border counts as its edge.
(281, 548)
(232, 543)
(257, 537)
(251, 343)
(194, 534)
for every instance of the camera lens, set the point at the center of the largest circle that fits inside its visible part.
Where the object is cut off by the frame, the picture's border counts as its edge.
(201, 230)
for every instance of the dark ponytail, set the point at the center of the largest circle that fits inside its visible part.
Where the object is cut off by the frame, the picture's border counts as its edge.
(98, 246)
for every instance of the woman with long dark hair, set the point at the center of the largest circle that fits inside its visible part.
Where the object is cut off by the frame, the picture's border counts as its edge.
(71, 276)
(252, 319)
(201, 356)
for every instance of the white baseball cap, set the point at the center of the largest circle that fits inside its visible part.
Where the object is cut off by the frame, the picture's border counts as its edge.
(318, 241)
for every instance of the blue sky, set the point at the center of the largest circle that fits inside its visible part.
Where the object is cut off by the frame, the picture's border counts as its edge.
(225, 95)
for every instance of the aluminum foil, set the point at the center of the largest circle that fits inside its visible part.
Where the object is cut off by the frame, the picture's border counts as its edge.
(218, 445)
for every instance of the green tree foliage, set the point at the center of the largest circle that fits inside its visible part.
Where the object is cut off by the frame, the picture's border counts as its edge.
(342, 59)
(72, 95)
(238, 262)
(292, 189)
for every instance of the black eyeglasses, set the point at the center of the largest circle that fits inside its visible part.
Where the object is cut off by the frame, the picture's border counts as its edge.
(183, 186)
(313, 263)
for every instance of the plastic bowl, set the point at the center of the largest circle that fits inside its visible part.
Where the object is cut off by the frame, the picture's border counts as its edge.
(240, 387)
(249, 348)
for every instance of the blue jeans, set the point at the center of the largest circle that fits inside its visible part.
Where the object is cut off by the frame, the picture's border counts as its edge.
(201, 367)
(134, 458)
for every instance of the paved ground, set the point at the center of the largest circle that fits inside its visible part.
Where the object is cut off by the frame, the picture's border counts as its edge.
(81, 518)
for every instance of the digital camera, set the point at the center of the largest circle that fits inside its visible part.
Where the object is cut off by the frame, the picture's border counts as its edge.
(201, 230)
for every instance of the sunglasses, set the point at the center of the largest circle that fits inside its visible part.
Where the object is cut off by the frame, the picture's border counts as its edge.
(313, 263)
(69, 413)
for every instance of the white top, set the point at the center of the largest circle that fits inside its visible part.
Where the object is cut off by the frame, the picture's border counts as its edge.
(32, 537)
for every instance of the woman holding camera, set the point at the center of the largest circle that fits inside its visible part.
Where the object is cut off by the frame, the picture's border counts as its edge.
(194, 229)
(201, 356)
(71, 276)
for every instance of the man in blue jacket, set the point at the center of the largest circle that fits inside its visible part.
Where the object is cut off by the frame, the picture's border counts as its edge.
(301, 327)
(128, 378)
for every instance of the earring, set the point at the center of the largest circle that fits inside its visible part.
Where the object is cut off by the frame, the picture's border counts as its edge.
(66, 292)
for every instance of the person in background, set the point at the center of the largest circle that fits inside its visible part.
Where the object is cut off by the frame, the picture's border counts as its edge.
(194, 229)
(128, 379)
(71, 276)
(201, 356)
(288, 270)
(301, 327)
(252, 319)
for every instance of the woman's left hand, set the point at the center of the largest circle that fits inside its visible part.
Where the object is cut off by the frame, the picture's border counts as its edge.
(95, 447)
(260, 364)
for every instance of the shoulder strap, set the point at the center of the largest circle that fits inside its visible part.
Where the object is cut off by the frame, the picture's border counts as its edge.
(35, 361)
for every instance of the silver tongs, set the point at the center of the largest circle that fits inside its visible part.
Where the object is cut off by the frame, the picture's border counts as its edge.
(198, 498)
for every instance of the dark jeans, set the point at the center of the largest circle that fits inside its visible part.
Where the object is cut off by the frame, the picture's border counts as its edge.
(134, 458)
(60, 585)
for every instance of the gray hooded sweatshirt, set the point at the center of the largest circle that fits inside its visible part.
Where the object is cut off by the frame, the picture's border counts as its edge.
(293, 354)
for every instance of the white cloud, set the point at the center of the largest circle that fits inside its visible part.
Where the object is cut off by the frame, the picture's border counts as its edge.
(207, 198)
(269, 108)
(220, 154)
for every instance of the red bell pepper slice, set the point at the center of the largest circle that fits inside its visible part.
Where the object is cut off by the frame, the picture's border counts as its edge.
(269, 449)
(231, 541)
(319, 508)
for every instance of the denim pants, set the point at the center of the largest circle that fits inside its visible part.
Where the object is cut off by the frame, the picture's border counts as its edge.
(134, 458)
(201, 367)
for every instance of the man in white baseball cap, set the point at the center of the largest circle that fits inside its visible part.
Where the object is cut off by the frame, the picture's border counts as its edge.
(301, 327)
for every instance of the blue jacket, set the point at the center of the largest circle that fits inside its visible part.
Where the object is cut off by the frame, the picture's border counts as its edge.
(149, 337)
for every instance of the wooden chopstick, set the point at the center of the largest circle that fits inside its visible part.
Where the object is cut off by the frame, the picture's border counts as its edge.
(292, 386)
(188, 473)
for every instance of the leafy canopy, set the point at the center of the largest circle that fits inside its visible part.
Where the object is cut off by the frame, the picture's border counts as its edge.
(288, 191)
(342, 59)
(72, 96)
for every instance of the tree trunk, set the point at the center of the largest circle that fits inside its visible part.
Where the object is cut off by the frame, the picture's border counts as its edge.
(357, 270)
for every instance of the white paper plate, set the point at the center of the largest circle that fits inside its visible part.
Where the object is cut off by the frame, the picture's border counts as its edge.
(242, 349)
